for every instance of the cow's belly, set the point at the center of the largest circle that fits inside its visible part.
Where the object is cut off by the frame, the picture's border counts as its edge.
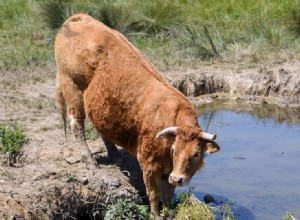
(112, 117)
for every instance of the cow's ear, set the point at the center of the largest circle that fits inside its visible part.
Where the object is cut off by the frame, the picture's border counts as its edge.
(211, 147)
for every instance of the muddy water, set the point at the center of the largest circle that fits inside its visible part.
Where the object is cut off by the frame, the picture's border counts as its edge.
(258, 167)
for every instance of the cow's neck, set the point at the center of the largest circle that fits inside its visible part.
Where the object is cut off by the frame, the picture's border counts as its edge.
(187, 117)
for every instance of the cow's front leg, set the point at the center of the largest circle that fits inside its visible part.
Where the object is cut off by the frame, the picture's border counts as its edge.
(152, 181)
(167, 191)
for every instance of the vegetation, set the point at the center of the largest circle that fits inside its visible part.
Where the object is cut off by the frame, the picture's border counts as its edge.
(171, 33)
(191, 208)
(186, 206)
(126, 209)
(12, 138)
(289, 216)
(90, 131)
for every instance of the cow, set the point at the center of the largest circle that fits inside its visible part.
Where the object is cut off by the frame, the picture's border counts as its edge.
(101, 75)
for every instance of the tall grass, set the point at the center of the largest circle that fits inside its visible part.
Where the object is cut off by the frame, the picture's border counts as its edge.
(170, 33)
(23, 38)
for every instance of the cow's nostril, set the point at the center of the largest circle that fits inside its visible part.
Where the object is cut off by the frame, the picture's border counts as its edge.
(179, 180)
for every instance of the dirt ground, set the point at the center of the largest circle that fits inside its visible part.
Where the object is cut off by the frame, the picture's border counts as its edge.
(48, 181)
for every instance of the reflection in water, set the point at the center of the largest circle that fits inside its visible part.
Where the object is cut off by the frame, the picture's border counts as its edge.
(261, 111)
(257, 167)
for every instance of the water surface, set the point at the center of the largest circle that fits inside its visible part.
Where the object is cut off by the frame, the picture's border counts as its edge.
(258, 165)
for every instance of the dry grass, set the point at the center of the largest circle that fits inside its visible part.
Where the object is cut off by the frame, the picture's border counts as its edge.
(193, 209)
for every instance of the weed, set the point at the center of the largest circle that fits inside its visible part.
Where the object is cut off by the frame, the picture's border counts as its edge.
(126, 209)
(289, 216)
(226, 212)
(12, 138)
(90, 131)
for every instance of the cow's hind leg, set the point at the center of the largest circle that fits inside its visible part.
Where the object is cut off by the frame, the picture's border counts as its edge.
(78, 129)
(75, 110)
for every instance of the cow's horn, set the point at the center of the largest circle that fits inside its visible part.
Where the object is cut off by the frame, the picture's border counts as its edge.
(170, 130)
(208, 136)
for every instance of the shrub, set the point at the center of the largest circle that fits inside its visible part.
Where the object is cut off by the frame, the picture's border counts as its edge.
(55, 12)
(12, 138)
(126, 209)
(158, 17)
(199, 41)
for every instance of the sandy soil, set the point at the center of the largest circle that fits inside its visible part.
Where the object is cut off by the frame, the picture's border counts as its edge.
(48, 181)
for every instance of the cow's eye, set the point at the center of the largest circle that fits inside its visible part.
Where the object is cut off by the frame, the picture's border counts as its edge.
(196, 154)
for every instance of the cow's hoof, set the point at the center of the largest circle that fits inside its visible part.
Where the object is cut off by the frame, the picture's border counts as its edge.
(156, 217)
(91, 166)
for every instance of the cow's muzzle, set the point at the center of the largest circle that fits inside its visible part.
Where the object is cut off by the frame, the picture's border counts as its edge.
(177, 180)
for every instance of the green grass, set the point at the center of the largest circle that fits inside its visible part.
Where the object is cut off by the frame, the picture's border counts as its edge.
(23, 38)
(90, 131)
(171, 33)
(12, 138)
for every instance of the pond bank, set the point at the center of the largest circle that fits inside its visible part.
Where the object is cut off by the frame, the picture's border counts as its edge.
(275, 85)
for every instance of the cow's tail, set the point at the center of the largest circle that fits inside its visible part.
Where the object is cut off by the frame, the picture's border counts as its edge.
(60, 100)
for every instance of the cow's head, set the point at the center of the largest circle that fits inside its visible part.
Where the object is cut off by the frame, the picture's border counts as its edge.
(188, 151)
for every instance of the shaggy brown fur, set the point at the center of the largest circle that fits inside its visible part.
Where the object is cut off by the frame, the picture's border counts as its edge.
(101, 75)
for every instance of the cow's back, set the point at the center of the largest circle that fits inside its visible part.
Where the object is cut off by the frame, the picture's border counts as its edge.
(116, 79)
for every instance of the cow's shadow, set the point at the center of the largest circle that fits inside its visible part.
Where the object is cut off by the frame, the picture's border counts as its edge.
(130, 167)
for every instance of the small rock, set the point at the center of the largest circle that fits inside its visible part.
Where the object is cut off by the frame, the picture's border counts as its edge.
(208, 199)
(72, 160)
(70, 179)
(84, 180)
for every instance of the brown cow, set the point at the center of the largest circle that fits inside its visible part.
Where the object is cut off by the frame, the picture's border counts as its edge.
(101, 75)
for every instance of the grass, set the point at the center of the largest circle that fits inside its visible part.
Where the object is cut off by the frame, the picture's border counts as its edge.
(171, 33)
(90, 131)
(23, 38)
(186, 206)
(289, 216)
(192, 209)
(12, 138)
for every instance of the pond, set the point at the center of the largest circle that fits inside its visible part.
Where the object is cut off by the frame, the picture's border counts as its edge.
(257, 168)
